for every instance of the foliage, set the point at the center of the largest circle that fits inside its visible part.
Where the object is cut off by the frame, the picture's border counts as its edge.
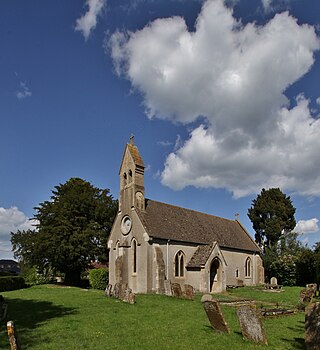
(99, 278)
(34, 275)
(73, 229)
(271, 214)
(11, 283)
(73, 319)
(284, 268)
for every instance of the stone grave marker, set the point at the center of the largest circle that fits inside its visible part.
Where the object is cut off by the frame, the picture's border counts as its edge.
(126, 294)
(3, 309)
(122, 290)
(14, 344)
(176, 290)
(306, 295)
(312, 287)
(108, 290)
(116, 290)
(188, 292)
(213, 311)
(273, 281)
(206, 297)
(312, 326)
(167, 288)
(131, 298)
(250, 324)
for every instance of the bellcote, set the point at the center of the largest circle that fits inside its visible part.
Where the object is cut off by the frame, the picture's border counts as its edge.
(131, 179)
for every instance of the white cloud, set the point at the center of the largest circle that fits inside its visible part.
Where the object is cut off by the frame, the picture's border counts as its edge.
(12, 220)
(88, 21)
(23, 91)
(275, 5)
(235, 77)
(307, 226)
(318, 100)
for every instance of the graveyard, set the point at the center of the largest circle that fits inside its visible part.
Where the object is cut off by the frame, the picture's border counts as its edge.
(56, 316)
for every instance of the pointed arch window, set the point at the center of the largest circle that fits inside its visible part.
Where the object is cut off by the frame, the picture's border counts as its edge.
(248, 268)
(179, 261)
(134, 246)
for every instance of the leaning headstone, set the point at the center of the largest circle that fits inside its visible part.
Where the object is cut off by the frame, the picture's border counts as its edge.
(14, 345)
(122, 290)
(250, 324)
(116, 290)
(176, 290)
(213, 311)
(273, 281)
(108, 290)
(312, 287)
(188, 292)
(131, 298)
(306, 295)
(167, 288)
(126, 294)
(206, 297)
(312, 326)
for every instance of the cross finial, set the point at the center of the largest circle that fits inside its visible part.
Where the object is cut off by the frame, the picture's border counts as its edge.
(132, 139)
(237, 216)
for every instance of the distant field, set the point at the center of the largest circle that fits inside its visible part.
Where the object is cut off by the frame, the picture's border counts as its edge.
(54, 317)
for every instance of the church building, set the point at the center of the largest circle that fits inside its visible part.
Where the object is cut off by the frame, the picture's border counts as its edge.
(152, 243)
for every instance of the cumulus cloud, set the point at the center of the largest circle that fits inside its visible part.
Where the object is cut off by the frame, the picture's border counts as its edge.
(307, 226)
(23, 91)
(88, 21)
(12, 220)
(234, 76)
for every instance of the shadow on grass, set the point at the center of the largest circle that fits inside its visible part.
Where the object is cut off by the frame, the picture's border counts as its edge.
(297, 343)
(28, 315)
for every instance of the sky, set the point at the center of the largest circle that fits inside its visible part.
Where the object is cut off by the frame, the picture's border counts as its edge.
(223, 98)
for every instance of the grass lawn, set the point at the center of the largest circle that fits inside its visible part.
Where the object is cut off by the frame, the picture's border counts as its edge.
(55, 317)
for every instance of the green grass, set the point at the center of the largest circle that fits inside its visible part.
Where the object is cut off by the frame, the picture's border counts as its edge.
(52, 317)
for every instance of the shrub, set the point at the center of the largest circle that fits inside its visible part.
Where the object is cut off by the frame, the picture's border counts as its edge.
(11, 283)
(34, 275)
(99, 278)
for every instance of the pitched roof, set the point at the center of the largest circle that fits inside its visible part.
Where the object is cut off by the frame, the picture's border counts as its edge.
(167, 221)
(135, 154)
(201, 255)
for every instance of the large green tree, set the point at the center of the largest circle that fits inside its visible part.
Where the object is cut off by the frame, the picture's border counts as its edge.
(271, 214)
(72, 229)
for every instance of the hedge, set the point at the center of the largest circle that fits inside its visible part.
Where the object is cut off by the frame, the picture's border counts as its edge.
(11, 283)
(99, 278)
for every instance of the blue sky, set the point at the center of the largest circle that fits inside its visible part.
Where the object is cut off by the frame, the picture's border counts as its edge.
(223, 99)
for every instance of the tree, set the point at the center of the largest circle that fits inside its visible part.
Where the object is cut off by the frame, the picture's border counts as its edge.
(271, 214)
(72, 231)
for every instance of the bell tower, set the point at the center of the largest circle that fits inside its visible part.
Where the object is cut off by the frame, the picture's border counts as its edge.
(131, 179)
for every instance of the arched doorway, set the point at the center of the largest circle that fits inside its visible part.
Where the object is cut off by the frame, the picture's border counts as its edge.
(215, 276)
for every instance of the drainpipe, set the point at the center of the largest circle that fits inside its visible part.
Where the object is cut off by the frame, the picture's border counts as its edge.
(168, 259)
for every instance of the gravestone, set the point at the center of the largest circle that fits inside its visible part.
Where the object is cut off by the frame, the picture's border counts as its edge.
(176, 290)
(108, 290)
(312, 326)
(126, 294)
(206, 297)
(131, 298)
(14, 344)
(188, 292)
(306, 295)
(167, 288)
(250, 324)
(3, 309)
(122, 290)
(213, 311)
(312, 287)
(273, 281)
(116, 290)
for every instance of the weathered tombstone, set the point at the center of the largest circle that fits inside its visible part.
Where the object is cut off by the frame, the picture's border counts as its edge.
(122, 290)
(312, 287)
(306, 295)
(131, 298)
(250, 324)
(273, 281)
(188, 292)
(116, 290)
(206, 297)
(108, 290)
(126, 294)
(176, 290)
(14, 345)
(312, 326)
(240, 283)
(167, 288)
(213, 311)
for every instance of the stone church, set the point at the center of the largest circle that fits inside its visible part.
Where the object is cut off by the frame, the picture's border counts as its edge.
(152, 243)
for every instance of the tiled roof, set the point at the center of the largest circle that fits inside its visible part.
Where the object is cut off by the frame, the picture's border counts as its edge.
(201, 255)
(166, 221)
